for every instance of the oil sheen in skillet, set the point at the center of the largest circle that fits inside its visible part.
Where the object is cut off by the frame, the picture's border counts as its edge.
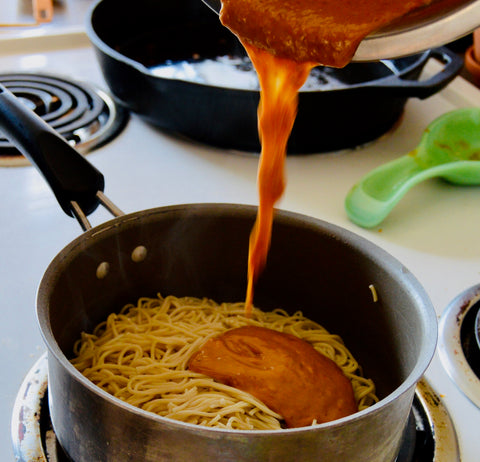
(237, 73)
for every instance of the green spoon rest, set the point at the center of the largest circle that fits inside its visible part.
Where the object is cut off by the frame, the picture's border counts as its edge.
(449, 149)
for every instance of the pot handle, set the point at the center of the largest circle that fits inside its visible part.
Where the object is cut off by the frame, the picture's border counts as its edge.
(77, 184)
(396, 86)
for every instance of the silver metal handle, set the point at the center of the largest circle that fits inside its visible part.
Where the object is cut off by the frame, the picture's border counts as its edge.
(104, 201)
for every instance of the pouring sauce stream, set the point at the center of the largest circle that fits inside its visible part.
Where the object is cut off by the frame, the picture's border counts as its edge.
(280, 79)
(285, 40)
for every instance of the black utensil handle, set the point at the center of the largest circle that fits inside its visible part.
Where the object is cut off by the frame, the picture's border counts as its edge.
(70, 176)
(397, 86)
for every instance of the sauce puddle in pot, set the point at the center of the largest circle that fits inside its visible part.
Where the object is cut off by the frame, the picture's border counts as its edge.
(281, 370)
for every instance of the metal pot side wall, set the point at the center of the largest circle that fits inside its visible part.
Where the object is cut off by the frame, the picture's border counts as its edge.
(93, 428)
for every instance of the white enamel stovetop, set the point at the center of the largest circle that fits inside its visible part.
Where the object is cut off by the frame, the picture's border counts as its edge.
(434, 231)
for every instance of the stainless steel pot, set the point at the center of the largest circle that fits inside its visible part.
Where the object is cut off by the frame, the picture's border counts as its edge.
(201, 250)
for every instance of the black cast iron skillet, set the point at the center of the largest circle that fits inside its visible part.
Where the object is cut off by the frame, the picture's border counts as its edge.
(346, 107)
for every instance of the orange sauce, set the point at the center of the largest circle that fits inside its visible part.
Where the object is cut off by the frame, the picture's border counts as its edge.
(284, 372)
(280, 79)
(284, 40)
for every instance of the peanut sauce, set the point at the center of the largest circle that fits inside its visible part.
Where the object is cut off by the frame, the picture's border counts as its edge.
(284, 40)
(276, 114)
(283, 371)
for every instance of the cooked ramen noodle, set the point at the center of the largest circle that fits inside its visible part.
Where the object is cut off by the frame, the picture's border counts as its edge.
(141, 354)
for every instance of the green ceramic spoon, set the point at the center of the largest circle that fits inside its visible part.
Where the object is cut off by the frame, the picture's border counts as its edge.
(449, 148)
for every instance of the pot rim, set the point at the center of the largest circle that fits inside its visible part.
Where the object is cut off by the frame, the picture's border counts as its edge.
(101, 45)
(428, 315)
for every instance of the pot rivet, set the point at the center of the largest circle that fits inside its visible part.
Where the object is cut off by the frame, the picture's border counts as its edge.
(102, 270)
(139, 253)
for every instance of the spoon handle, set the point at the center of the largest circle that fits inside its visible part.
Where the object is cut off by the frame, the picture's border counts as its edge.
(375, 195)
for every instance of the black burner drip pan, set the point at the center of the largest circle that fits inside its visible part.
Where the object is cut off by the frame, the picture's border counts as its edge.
(83, 114)
(458, 344)
(469, 338)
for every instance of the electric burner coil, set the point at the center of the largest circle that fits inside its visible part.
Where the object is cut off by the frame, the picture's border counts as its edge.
(84, 115)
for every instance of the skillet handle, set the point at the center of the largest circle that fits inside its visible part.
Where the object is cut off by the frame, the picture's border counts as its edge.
(70, 176)
(396, 86)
